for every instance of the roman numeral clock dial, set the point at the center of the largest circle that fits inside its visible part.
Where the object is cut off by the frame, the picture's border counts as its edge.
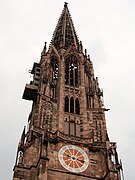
(73, 158)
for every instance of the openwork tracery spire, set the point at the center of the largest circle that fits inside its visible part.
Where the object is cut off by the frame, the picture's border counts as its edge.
(65, 35)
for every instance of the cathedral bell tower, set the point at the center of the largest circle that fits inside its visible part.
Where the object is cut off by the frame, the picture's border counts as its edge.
(66, 138)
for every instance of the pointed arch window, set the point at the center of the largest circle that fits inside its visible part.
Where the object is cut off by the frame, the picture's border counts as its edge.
(77, 106)
(71, 105)
(66, 104)
(71, 71)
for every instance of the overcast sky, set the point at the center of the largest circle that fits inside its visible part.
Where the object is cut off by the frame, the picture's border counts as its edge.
(107, 30)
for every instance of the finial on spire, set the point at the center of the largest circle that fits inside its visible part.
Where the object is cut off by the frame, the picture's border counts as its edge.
(65, 5)
(80, 46)
(85, 52)
(45, 45)
(89, 57)
(44, 49)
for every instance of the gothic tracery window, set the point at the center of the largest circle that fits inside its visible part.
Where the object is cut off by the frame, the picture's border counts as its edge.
(71, 71)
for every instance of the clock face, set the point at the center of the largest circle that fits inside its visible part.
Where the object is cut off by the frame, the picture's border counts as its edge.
(73, 158)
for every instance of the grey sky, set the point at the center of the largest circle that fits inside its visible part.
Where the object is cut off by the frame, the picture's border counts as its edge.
(107, 30)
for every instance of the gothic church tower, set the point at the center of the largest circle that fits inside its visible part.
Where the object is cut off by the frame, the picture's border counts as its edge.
(66, 137)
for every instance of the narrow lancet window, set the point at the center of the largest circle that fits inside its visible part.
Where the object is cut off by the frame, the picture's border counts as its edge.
(77, 106)
(71, 105)
(66, 104)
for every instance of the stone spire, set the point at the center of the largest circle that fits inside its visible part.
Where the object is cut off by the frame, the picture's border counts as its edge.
(66, 136)
(65, 35)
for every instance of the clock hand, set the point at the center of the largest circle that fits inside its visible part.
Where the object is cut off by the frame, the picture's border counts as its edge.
(81, 160)
(68, 155)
